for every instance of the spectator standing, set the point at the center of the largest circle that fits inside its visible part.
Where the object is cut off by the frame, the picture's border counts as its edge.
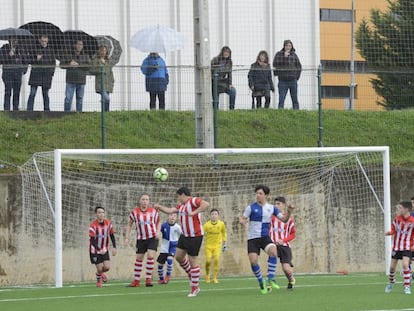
(102, 69)
(43, 69)
(222, 66)
(156, 79)
(76, 64)
(260, 80)
(14, 60)
(287, 68)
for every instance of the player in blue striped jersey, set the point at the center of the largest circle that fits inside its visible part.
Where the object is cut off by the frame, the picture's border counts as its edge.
(170, 232)
(258, 215)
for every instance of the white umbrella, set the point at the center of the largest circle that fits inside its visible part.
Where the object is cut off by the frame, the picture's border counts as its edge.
(160, 39)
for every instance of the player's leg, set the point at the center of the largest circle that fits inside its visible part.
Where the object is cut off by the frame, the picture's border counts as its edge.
(270, 250)
(140, 250)
(406, 272)
(391, 277)
(209, 258)
(150, 263)
(285, 256)
(253, 250)
(170, 268)
(193, 250)
(106, 266)
(160, 268)
(181, 255)
(216, 262)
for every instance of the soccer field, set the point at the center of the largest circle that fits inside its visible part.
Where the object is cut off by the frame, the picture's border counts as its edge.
(312, 292)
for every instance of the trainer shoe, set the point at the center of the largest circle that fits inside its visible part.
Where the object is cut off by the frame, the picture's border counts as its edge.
(265, 289)
(167, 279)
(161, 282)
(99, 284)
(291, 284)
(104, 278)
(207, 279)
(134, 283)
(388, 288)
(407, 290)
(215, 281)
(194, 291)
(273, 284)
(148, 283)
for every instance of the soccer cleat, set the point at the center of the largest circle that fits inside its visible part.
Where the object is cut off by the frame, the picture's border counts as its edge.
(104, 278)
(194, 291)
(265, 289)
(388, 288)
(291, 284)
(161, 282)
(215, 281)
(134, 283)
(167, 279)
(148, 283)
(407, 290)
(207, 279)
(273, 284)
(98, 283)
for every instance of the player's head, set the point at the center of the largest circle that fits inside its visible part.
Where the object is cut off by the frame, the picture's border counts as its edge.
(144, 200)
(404, 208)
(214, 214)
(172, 218)
(182, 194)
(280, 202)
(100, 213)
(262, 192)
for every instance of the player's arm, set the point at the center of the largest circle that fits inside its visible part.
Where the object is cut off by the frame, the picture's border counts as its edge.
(285, 217)
(165, 209)
(291, 236)
(128, 231)
(224, 237)
(113, 240)
(201, 208)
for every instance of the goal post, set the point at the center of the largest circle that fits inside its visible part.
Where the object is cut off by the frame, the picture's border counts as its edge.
(342, 195)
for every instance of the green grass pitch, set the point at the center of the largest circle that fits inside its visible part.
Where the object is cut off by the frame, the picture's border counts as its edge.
(312, 292)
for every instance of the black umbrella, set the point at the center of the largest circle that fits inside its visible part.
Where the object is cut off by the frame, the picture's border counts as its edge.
(113, 46)
(39, 28)
(7, 33)
(69, 38)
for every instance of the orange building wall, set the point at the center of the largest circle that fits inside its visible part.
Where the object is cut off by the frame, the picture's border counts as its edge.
(336, 45)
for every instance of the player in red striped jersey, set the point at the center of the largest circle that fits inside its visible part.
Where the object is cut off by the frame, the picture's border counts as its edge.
(282, 234)
(189, 243)
(147, 225)
(100, 231)
(402, 230)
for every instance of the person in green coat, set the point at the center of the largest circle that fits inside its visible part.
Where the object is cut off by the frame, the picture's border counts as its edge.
(101, 64)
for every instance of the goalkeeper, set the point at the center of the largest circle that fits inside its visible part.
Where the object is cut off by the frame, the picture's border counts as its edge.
(215, 243)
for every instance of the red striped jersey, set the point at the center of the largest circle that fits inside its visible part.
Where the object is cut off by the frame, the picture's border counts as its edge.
(403, 231)
(145, 222)
(191, 225)
(280, 231)
(101, 233)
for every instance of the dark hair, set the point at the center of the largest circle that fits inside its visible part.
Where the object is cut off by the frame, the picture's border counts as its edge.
(225, 49)
(265, 189)
(263, 53)
(99, 207)
(184, 190)
(281, 199)
(406, 204)
(214, 210)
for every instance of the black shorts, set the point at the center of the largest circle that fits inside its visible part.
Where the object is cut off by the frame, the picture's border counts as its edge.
(162, 258)
(98, 258)
(285, 254)
(254, 245)
(400, 254)
(191, 244)
(143, 245)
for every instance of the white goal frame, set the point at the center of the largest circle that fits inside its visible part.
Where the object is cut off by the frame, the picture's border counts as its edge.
(59, 153)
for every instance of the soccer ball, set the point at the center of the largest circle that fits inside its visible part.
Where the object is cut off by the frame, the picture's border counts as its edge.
(160, 174)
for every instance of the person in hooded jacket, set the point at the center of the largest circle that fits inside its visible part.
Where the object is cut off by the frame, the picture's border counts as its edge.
(287, 68)
(260, 80)
(156, 79)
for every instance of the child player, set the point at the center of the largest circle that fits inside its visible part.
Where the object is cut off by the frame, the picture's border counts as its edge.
(170, 232)
(402, 230)
(100, 231)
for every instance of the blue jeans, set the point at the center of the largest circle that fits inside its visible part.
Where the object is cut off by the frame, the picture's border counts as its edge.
(288, 85)
(106, 100)
(70, 90)
(30, 101)
(13, 83)
(232, 94)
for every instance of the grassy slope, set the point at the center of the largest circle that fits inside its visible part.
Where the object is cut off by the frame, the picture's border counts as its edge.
(161, 129)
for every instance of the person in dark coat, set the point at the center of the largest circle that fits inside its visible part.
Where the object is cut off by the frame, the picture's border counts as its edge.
(14, 60)
(43, 69)
(77, 66)
(156, 79)
(260, 80)
(222, 66)
(287, 68)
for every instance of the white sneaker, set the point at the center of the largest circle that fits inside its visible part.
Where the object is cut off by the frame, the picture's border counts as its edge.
(407, 290)
(388, 288)
(194, 292)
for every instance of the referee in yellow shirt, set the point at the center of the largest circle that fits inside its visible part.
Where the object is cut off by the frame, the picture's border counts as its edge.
(215, 238)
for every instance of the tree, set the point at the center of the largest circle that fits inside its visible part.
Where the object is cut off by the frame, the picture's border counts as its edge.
(387, 44)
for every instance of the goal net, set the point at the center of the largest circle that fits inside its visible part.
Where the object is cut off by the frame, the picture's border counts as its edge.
(341, 195)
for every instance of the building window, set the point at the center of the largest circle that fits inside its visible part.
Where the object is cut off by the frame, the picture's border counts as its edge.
(343, 66)
(331, 91)
(334, 15)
